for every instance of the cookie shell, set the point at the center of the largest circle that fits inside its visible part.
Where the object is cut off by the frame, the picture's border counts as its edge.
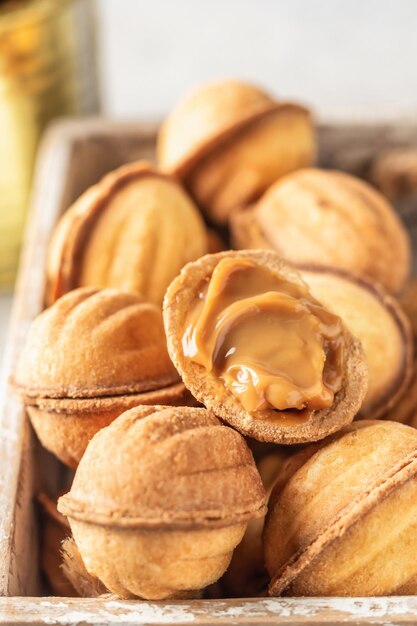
(211, 391)
(329, 218)
(333, 508)
(66, 426)
(207, 115)
(94, 343)
(175, 467)
(160, 500)
(133, 231)
(377, 319)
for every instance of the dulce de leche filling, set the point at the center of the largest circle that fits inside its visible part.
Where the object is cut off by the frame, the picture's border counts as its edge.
(273, 345)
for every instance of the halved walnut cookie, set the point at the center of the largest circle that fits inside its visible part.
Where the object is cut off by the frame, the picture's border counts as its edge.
(88, 358)
(254, 346)
(160, 500)
(133, 231)
(343, 519)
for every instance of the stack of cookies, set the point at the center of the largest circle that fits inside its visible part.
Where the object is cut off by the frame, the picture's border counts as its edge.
(227, 363)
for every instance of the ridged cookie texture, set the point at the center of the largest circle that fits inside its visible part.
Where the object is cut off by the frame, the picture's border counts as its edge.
(342, 521)
(133, 231)
(88, 358)
(160, 499)
(329, 218)
(377, 319)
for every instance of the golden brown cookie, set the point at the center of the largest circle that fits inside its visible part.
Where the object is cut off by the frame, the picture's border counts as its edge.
(329, 218)
(377, 319)
(343, 522)
(160, 500)
(228, 141)
(132, 231)
(254, 346)
(88, 358)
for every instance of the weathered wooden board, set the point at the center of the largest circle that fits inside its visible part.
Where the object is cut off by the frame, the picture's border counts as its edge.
(252, 612)
(74, 155)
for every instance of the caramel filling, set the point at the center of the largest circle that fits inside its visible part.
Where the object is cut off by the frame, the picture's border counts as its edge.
(273, 345)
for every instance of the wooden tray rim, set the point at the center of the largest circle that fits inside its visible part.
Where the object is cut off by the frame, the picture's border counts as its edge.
(242, 612)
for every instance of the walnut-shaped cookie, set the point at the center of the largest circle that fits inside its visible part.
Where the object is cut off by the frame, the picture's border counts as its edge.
(254, 346)
(377, 319)
(344, 520)
(228, 141)
(329, 218)
(133, 231)
(87, 359)
(160, 499)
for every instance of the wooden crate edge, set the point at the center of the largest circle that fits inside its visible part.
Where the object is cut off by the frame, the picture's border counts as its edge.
(265, 611)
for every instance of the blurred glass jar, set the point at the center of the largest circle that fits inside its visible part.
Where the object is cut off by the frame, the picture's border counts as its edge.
(47, 69)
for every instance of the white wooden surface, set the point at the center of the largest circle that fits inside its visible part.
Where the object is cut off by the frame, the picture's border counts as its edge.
(253, 612)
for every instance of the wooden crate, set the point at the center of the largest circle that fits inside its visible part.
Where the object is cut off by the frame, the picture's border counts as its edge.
(75, 154)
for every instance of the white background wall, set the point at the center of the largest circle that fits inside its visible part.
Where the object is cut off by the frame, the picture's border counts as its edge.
(339, 55)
